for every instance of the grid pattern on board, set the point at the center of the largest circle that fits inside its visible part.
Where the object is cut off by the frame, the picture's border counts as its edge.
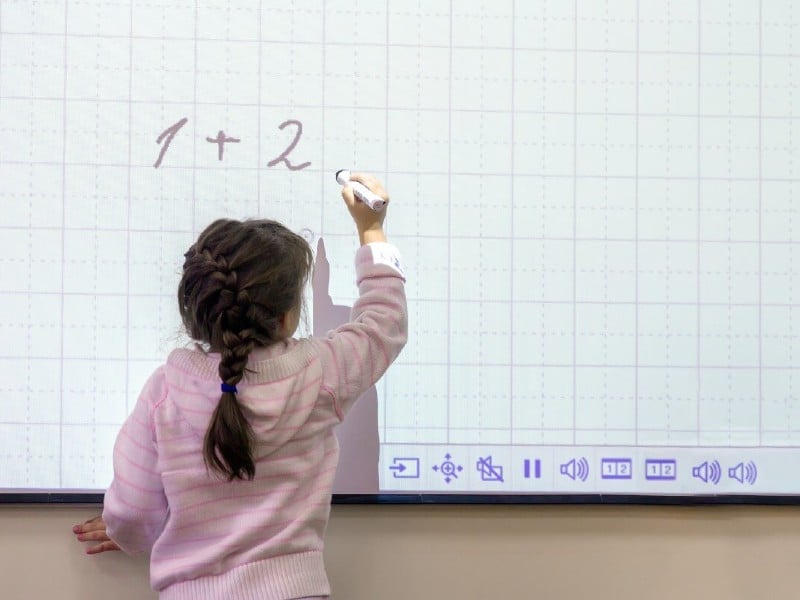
(593, 200)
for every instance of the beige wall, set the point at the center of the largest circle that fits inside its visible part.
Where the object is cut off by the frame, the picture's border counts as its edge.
(447, 552)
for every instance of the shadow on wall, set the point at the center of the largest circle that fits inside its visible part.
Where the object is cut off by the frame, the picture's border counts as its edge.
(359, 441)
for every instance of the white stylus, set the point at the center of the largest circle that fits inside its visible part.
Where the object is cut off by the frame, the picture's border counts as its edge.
(361, 191)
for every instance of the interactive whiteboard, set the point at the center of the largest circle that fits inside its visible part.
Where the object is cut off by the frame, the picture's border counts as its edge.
(594, 201)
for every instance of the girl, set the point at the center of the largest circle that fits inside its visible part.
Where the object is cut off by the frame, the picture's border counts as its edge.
(225, 467)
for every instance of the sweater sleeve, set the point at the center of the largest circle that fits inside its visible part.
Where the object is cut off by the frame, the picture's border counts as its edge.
(356, 354)
(135, 506)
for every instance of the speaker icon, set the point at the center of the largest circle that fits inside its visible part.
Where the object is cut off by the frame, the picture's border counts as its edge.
(576, 469)
(744, 472)
(706, 472)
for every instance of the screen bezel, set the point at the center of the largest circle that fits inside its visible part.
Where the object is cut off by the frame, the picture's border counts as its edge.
(96, 498)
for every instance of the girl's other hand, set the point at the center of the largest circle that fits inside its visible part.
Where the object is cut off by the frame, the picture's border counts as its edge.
(94, 530)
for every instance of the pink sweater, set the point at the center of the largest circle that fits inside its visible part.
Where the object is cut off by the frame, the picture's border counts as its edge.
(214, 539)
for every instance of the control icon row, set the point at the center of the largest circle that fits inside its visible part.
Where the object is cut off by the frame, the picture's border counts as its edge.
(578, 469)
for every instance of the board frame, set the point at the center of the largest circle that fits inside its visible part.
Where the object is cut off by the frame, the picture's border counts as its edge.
(96, 498)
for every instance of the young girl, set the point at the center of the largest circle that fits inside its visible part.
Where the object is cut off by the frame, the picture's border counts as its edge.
(225, 467)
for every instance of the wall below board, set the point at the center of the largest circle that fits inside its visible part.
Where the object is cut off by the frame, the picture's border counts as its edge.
(467, 553)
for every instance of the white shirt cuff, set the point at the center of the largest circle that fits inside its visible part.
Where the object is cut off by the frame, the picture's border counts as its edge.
(384, 253)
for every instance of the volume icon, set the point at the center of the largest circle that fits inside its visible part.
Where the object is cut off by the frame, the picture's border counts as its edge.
(576, 469)
(744, 472)
(708, 472)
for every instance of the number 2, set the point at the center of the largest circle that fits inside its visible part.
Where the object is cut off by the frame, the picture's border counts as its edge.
(283, 156)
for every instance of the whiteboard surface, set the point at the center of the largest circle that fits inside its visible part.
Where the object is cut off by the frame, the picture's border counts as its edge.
(593, 201)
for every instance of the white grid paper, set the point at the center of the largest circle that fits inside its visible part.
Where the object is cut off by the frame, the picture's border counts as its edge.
(593, 200)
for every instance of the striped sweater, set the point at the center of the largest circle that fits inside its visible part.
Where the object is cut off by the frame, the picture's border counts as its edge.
(214, 539)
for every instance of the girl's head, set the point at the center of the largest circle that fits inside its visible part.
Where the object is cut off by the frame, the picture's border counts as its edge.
(242, 287)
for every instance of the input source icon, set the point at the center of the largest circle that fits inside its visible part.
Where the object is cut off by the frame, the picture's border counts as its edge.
(405, 468)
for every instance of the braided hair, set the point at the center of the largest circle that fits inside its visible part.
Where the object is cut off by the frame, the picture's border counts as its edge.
(240, 279)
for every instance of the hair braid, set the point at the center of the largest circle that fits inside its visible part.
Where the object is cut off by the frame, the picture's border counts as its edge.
(229, 438)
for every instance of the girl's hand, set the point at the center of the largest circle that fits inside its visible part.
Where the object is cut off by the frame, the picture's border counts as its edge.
(368, 222)
(94, 530)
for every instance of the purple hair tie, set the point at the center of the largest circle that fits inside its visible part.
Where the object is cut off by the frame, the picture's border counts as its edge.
(228, 388)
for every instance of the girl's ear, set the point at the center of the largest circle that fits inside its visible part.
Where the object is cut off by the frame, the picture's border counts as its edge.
(289, 322)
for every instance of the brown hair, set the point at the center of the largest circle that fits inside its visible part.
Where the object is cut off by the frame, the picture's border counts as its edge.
(240, 278)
